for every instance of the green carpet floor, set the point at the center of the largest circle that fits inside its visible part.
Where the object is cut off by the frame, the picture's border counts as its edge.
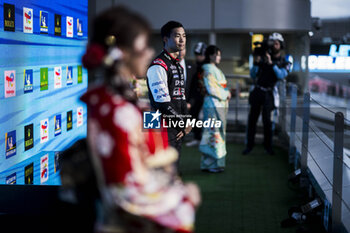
(252, 195)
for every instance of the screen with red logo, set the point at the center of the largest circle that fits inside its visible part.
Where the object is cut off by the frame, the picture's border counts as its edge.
(41, 80)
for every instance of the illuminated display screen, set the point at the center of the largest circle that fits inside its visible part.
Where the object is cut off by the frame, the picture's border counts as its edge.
(41, 80)
(337, 61)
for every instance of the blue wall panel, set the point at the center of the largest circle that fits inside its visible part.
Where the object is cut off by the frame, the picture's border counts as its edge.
(23, 50)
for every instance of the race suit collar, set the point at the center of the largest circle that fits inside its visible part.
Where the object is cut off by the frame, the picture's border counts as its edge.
(168, 56)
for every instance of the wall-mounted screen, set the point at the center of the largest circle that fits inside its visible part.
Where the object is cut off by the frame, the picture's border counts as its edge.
(41, 80)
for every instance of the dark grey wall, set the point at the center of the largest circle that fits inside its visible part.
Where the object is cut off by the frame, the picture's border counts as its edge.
(193, 14)
(262, 15)
(95, 7)
(233, 15)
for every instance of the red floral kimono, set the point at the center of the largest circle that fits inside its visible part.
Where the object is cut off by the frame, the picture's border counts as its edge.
(137, 163)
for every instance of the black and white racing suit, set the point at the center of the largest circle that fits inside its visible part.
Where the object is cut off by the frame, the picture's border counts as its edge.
(166, 85)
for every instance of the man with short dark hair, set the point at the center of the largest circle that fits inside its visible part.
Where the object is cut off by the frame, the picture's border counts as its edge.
(166, 83)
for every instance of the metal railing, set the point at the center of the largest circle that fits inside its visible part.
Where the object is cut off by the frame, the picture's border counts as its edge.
(320, 159)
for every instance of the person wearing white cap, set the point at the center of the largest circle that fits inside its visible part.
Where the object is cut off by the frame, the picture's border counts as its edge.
(269, 67)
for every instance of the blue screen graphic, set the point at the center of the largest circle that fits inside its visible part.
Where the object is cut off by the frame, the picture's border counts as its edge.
(41, 81)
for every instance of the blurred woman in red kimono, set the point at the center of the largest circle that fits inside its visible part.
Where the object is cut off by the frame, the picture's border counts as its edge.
(137, 164)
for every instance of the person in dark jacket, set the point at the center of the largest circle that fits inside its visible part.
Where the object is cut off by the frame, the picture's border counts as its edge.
(194, 91)
(268, 68)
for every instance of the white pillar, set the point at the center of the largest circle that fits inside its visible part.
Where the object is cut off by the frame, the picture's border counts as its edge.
(212, 38)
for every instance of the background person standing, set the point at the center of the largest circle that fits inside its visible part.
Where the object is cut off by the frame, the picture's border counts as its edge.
(195, 92)
(213, 143)
(189, 69)
(269, 67)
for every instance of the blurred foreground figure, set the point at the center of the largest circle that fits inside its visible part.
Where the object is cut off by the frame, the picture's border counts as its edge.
(137, 182)
(215, 107)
